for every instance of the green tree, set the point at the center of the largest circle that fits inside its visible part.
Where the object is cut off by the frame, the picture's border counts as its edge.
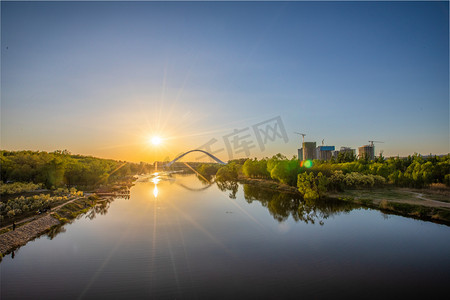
(312, 187)
(285, 171)
(229, 172)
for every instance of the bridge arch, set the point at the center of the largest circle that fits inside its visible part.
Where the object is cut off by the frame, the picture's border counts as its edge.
(196, 150)
(196, 190)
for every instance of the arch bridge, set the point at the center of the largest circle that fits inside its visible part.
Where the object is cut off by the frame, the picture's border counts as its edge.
(195, 150)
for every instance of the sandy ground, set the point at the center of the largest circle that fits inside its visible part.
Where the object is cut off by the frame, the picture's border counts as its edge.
(424, 197)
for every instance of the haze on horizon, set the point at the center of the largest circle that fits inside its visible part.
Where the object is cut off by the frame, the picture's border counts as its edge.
(103, 78)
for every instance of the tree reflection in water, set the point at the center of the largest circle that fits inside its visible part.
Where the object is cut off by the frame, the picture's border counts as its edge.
(55, 230)
(206, 179)
(281, 205)
(100, 208)
(231, 186)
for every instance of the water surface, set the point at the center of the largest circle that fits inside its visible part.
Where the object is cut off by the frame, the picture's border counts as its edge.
(177, 237)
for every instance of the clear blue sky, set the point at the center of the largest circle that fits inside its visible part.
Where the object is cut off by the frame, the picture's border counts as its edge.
(98, 78)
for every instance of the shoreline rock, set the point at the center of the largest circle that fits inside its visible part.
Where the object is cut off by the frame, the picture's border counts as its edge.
(14, 239)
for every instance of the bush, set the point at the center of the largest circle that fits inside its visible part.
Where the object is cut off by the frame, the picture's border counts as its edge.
(21, 205)
(11, 213)
(310, 186)
(61, 191)
(336, 181)
(93, 197)
(18, 187)
(355, 180)
(379, 180)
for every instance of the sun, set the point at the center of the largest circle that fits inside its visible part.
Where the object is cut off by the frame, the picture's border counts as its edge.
(156, 140)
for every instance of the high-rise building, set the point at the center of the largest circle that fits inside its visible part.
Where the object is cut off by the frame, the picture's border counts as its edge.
(344, 150)
(347, 150)
(324, 152)
(366, 151)
(308, 151)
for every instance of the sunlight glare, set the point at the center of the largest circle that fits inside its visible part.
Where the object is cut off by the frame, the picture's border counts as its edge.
(155, 181)
(156, 140)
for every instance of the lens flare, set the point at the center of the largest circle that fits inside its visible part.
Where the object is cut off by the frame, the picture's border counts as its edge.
(306, 163)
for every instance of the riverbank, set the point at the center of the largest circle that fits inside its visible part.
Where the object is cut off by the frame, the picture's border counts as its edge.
(269, 184)
(23, 207)
(418, 204)
(14, 239)
(31, 229)
(424, 204)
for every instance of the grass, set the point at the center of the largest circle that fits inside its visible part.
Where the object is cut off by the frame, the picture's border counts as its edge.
(270, 184)
(32, 212)
(373, 194)
(393, 201)
(420, 211)
(62, 220)
(74, 209)
(64, 215)
(5, 230)
(432, 194)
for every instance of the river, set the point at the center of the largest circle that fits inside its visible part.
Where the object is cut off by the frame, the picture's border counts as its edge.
(177, 237)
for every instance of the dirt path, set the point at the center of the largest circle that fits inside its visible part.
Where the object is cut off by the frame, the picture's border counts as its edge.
(33, 228)
(426, 201)
(36, 217)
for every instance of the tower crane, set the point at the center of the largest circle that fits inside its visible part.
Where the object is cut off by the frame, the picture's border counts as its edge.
(371, 142)
(303, 136)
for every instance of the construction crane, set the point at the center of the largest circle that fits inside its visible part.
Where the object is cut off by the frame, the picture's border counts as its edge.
(303, 136)
(371, 142)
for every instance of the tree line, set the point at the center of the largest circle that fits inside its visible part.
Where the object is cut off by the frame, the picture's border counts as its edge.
(346, 172)
(61, 168)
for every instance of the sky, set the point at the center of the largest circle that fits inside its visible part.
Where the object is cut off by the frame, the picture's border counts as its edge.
(102, 78)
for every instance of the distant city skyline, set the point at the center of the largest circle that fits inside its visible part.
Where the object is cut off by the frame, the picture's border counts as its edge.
(103, 78)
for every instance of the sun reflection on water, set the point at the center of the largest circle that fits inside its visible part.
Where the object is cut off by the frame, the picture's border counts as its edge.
(155, 181)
